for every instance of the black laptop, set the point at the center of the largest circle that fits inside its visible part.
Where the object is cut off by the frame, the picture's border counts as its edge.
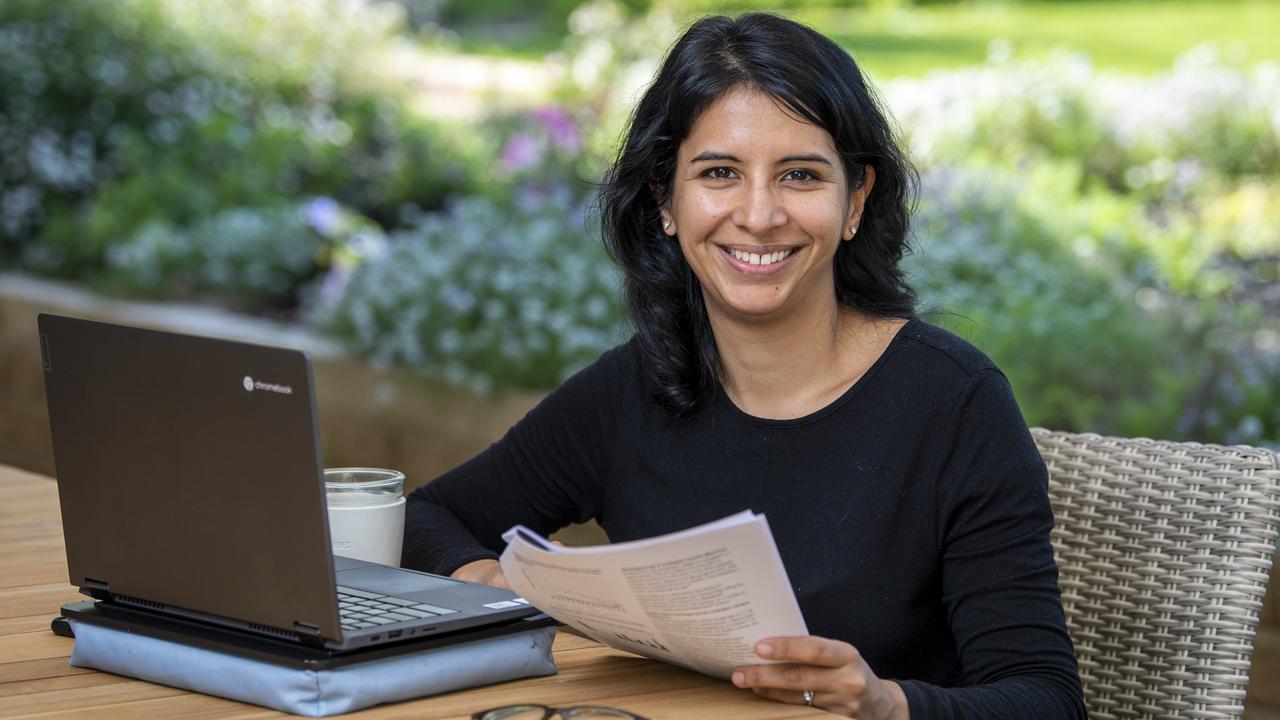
(191, 485)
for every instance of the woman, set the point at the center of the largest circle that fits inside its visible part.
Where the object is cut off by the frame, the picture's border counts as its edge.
(759, 209)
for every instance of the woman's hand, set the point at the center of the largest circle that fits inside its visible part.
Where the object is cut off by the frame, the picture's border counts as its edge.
(840, 679)
(485, 572)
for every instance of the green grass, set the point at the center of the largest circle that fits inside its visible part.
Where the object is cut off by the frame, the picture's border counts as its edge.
(1140, 36)
(528, 41)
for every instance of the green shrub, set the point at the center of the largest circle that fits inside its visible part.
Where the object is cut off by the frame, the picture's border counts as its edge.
(1159, 138)
(243, 257)
(115, 114)
(483, 295)
(1091, 334)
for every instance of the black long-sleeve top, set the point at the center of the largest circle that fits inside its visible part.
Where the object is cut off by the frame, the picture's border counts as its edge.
(911, 513)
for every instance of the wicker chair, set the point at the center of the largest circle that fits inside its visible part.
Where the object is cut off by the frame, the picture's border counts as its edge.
(1163, 551)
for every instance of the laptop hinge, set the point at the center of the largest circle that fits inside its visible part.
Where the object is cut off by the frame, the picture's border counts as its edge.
(309, 634)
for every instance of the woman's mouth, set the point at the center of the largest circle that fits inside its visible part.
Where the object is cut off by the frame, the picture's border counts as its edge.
(758, 262)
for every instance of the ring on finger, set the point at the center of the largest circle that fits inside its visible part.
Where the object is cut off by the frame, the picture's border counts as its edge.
(808, 697)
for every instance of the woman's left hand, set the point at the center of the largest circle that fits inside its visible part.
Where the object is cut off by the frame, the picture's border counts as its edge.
(834, 671)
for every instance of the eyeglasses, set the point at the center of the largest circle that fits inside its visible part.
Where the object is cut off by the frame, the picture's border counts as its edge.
(544, 712)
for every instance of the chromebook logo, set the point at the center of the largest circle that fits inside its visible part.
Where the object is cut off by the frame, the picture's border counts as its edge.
(250, 385)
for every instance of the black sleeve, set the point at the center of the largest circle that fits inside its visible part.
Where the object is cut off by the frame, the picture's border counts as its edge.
(545, 473)
(999, 579)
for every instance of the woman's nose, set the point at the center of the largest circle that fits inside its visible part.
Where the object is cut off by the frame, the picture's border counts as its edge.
(759, 209)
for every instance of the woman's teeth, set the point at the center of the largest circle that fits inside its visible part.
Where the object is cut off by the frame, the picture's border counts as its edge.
(757, 259)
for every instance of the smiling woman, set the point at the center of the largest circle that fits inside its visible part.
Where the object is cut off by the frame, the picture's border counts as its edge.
(760, 206)
(749, 131)
(759, 210)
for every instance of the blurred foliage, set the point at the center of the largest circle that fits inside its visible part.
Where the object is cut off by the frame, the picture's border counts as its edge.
(115, 116)
(893, 38)
(248, 258)
(1163, 138)
(1112, 241)
(1137, 36)
(507, 289)
(1062, 291)
(499, 27)
(483, 295)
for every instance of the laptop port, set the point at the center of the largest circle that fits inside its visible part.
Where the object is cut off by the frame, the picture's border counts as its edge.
(394, 634)
(375, 638)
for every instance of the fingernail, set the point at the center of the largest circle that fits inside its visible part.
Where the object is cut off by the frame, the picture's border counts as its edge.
(739, 678)
(764, 649)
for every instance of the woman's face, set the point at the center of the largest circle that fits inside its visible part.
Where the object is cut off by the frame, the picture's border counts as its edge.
(759, 203)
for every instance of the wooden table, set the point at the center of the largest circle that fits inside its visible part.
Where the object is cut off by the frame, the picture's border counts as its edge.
(36, 681)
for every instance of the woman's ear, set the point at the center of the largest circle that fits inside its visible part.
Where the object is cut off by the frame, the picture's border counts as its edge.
(857, 201)
(664, 208)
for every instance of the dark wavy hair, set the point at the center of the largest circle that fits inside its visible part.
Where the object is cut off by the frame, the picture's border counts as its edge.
(818, 81)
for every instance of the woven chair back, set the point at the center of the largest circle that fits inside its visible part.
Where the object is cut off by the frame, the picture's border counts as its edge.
(1163, 553)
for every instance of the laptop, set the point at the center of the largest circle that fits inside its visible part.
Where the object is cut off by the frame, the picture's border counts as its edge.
(191, 486)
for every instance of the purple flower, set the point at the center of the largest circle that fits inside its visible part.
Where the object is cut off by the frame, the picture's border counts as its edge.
(560, 126)
(323, 215)
(521, 152)
(334, 284)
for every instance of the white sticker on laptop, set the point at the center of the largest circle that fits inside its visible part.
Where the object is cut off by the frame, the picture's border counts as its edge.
(501, 604)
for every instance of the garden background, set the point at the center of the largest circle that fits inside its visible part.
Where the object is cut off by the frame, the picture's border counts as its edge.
(1099, 208)
(411, 182)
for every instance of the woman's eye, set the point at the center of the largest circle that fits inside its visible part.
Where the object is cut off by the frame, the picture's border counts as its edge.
(800, 175)
(719, 173)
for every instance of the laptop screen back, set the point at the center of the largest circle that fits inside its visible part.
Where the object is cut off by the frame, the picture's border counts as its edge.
(189, 472)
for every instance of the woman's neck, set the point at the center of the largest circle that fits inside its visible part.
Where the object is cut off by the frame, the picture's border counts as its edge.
(791, 367)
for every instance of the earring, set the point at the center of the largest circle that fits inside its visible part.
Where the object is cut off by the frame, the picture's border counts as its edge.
(853, 230)
(666, 224)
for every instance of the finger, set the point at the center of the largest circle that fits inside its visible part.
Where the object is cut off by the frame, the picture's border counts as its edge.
(783, 676)
(787, 696)
(810, 650)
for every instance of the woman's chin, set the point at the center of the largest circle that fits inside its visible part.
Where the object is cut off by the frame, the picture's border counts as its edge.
(756, 310)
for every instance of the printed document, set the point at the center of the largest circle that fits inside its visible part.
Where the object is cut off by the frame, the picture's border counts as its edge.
(699, 598)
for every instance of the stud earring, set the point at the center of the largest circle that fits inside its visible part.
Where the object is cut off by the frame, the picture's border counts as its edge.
(666, 224)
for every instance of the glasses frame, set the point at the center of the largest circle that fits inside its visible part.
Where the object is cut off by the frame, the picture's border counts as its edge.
(549, 712)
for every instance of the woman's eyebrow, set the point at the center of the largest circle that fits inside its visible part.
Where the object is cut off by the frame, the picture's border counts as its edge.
(714, 156)
(807, 157)
(711, 155)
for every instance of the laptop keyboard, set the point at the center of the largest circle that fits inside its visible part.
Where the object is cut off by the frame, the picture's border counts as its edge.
(361, 609)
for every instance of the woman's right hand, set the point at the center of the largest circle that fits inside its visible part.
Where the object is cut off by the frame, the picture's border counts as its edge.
(485, 572)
